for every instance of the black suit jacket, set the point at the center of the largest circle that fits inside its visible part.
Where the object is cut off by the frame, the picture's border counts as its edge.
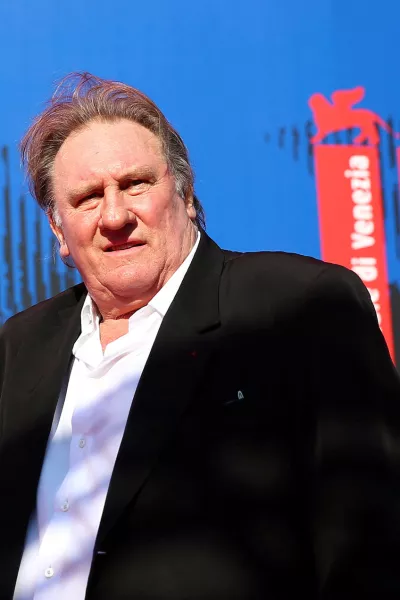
(261, 455)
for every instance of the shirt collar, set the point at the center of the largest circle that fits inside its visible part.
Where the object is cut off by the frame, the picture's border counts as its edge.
(89, 316)
(161, 301)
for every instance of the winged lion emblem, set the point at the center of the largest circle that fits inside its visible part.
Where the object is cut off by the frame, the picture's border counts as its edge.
(339, 113)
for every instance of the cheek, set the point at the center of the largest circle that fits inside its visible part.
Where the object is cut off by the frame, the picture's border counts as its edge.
(79, 230)
(157, 211)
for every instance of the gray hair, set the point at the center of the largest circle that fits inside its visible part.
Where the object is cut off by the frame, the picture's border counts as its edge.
(81, 98)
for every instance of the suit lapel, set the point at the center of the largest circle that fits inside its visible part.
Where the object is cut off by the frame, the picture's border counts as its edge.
(29, 398)
(169, 379)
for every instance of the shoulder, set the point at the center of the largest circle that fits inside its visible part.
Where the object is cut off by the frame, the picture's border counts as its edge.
(33, 318)
(280, 279)
(282, 271)
(276, 265)
(285, 267)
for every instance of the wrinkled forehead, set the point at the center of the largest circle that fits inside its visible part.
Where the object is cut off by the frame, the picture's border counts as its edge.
(102, 148)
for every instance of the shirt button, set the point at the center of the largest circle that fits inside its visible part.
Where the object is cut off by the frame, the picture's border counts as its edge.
(49, 573)
(82, 443)
(65, 506)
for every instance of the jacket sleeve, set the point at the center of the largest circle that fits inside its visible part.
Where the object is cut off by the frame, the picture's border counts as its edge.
(2, 359)
(355, 454)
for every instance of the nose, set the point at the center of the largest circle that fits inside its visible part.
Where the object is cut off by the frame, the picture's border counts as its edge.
(114, 211)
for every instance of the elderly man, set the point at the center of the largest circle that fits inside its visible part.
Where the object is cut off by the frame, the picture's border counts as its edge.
(188, 423)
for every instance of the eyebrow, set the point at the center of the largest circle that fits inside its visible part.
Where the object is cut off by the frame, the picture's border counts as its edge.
(93, 185)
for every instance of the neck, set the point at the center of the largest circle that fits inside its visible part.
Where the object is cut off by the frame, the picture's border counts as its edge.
(112, 329)
(115, 312)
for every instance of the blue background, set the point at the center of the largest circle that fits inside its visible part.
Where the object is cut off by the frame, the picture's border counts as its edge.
(233, 77)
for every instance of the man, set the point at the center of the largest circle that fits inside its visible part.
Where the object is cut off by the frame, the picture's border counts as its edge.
(189, 423)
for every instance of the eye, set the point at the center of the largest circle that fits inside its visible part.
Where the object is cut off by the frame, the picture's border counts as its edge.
(136, 182)
(91, 196)
(94, 195)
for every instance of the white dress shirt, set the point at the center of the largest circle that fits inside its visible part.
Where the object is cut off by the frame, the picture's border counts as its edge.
(87, 430)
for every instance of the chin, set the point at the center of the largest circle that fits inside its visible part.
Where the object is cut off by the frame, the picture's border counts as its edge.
(128, 282)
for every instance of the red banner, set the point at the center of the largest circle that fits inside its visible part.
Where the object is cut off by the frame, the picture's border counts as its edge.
(351, 220)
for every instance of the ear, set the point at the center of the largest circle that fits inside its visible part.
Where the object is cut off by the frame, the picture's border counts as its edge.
(58, 232)
(190, 209)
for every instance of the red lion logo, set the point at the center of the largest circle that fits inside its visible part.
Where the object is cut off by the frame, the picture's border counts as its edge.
(339, 114)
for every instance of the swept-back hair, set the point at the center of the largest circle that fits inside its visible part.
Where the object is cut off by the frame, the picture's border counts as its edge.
(81, 98)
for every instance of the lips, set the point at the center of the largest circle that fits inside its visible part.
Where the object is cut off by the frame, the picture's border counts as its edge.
(125, 246)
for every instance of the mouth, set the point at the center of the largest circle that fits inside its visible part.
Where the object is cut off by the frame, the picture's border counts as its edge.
(124, 247)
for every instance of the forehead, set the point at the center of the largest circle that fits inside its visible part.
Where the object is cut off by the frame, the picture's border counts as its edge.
(104, 149)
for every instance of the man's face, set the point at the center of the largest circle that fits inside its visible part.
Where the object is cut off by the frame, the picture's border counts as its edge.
(121, 219)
